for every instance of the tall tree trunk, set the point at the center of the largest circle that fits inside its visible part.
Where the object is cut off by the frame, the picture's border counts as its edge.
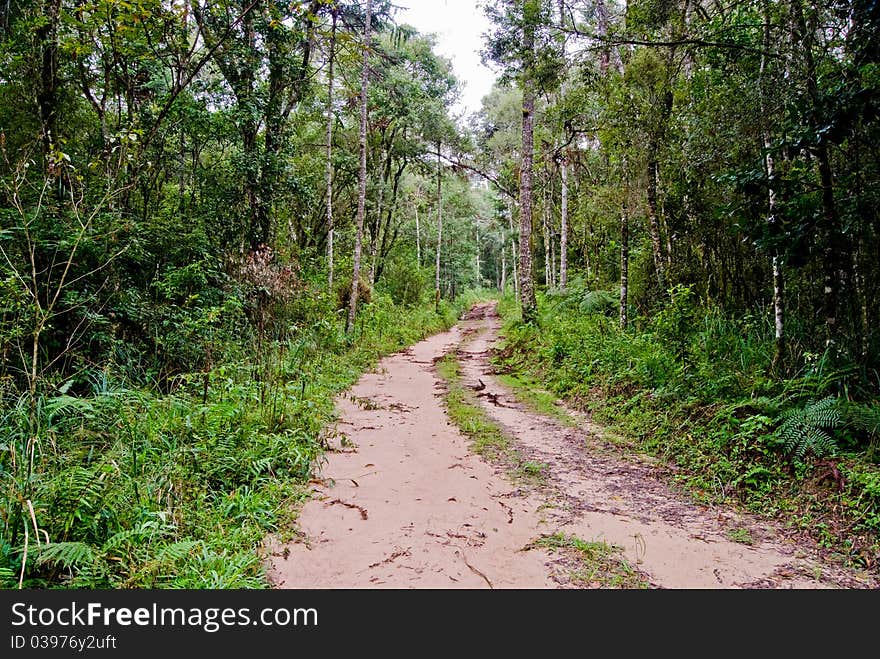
(526, 283)
(545, 227)
(439, 233)
(563, 237)
(653, 222)
(47, 87)
(513, 251)
(375, 233)
(769, 167)
(503, 284)
(362, 174)
(859, 285)
(330, 228)
(389, 230)
(479, 274)
(835, 250)
(418, 235)
(624, 261)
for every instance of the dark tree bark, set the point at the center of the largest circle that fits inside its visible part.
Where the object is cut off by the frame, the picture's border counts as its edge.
(47, 88)
(362, 175)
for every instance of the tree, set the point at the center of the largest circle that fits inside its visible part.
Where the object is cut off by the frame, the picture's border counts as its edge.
(246, 37)
(522, 45)
(362, 175)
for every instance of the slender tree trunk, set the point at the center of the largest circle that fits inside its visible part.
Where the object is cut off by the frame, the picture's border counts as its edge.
(374, 235)
(836, 259)
(418, 236)
(605, 54)
(653, 222)
(47, 87)
(769, 167)
(563, 237)
(479, 274)
(513, 251)
(439, 233)
(362, 175)
(503, 284)
(624, 262)
(836, 273)
(857, 260)
(330, 228)
(859, 285)
(545, 227)
(526, 282)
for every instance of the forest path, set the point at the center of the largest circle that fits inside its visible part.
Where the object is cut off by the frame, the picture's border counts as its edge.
(403, 503)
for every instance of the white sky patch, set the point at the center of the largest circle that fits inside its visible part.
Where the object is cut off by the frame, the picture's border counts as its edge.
(459, 26)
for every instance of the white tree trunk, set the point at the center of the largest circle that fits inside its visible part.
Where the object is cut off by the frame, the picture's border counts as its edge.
(439, 232)
(330, 228)
(563, 238)
(769, 166)
(545, 226)
(418, 235)
(513, 251)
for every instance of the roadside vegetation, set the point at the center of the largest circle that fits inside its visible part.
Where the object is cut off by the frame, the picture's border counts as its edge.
(129, 486)
(698, 389)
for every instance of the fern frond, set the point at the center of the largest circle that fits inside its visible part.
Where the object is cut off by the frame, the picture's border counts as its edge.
(177, 550)
(804, 429)
(865, 418)
(66, 554)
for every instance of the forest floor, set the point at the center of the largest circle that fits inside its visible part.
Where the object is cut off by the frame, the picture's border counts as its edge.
(403, 501)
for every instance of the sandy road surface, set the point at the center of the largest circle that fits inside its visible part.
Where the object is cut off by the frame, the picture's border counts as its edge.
(402, 503)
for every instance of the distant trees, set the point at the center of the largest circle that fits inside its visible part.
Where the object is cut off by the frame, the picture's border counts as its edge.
(732, 148)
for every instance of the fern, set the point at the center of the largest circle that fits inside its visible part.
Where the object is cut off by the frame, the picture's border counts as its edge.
(866, 420)
(586, 301)
(65, 554)
(178, 550)
(805, 429)
(8, 578)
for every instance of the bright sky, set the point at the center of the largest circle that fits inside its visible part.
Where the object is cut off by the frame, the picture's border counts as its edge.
(459, 26)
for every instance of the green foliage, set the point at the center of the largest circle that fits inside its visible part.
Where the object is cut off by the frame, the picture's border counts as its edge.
(132, 488)
(593, 563)
(692, 387)
(674, 324)
(578, 296)
(405, 282)
(805, 429)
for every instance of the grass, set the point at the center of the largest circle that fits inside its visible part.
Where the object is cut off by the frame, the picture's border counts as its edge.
(593, 564)
(529, 392)
(133, 488)
(740, 535)
(695, 389)
(487, 437)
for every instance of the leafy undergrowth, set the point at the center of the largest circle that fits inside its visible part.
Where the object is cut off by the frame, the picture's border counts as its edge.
(698, 390)
(130, 488)
(593, 564)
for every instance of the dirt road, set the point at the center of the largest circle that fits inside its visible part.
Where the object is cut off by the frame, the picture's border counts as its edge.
(403, 503)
